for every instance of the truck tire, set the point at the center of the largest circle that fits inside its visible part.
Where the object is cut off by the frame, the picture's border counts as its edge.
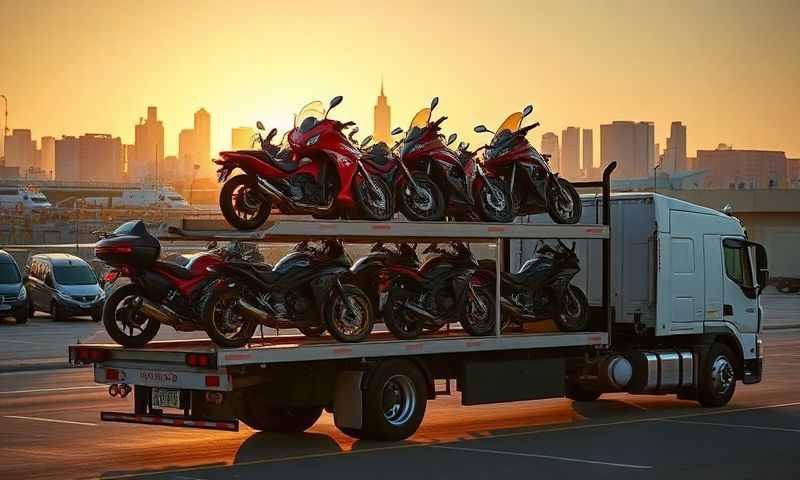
(394, 401)
(717, 380)
(279, 419)
(578, 393)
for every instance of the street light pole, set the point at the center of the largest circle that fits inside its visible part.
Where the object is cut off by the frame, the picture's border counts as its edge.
(655, 178)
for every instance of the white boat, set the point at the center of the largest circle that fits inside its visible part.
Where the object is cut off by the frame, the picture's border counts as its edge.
(25, 198)
(163, 197)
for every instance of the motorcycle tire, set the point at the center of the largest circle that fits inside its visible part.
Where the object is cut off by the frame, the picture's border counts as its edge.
(561, 209)
(494, 209)
(110, 320)
(573, 314)
(232, 203)
(430, 209)
(338, 317)
(216, 308)
(362, 194)
(397, 319)
(485, 323)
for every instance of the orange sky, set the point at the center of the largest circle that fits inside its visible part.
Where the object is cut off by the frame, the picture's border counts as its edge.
(730, 70)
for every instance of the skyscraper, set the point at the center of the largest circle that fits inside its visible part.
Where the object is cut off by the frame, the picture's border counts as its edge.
(570, 152)
(383, 120)
(186, 153)
(675, 154)
(550, 147)
(100, 157)
(588, 154)
(48, 155)
(202, 140)
(67, 162)
(20, 150)
(631, 145)
(149, 151)
(242, 138)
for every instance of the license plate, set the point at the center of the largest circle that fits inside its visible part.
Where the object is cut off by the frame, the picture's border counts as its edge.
(5, 307)
(166, 398)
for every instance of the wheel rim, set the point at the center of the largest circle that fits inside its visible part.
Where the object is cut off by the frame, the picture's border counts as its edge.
(478, 313)
(421, 198)
(128, 319)
(564, 203)
(401, 318)
(495, 199)
(722, 376)
(246, 202)
(375, 198)
(225, 320)
(399, 400)
(350, 322)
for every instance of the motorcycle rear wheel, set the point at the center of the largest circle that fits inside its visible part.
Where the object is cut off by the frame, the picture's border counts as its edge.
(117, 322)
(242, 205)
(217, 309)
(371, 204)
(397, 319)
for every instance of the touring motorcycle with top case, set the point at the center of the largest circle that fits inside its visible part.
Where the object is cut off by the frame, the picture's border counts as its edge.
(158, 292)
(441, 291)
(526, 173)
(325, 176)
(541, 290)
(311, 289)
(439, 182)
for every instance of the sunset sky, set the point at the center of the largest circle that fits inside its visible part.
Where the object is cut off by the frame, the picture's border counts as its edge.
(730, 70)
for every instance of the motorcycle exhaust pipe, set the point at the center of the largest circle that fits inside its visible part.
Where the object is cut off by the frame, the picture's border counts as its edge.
(155, 311)
(271, 190)
(247, 309)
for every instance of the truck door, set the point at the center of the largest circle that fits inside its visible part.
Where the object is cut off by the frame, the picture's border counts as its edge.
(739, 291)
(712, 245)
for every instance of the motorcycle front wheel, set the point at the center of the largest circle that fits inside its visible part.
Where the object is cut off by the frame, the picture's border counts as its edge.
(348, 315)
(423, 205)
(574, 311)
(564, 203)
(493, 201)
(480, 316)
(223, 324)
(398, 319)
(126, 325)
(242, 204)
(375, 202)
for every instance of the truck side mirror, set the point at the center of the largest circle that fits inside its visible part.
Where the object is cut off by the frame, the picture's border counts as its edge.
(762, 267)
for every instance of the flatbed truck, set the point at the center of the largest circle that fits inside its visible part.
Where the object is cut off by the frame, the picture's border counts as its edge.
(674, 307)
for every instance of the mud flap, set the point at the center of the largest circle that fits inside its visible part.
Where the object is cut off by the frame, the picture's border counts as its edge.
(348, 400)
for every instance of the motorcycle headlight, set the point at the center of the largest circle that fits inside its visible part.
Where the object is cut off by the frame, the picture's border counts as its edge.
(23, 293)
(312, 140)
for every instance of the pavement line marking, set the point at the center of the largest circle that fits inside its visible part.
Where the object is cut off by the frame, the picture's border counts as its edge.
(733, 425)
(6, 340)
(51, 420)
(397, 447)
(546, 457)
(55, 389)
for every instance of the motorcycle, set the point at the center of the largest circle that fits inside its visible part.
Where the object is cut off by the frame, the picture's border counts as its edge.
(325, 176)
(526, 173)
(310, 289)
(372, 273)
(441, 291)
(541, 290)
(159, 292)
(438, 182)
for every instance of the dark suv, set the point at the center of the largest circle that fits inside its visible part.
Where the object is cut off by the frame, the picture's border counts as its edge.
(13, 295)
(65, 286)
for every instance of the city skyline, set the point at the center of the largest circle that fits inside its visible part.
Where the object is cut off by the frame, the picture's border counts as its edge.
(655, 63)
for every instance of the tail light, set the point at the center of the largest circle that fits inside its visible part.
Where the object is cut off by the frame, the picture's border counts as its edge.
(111, 276)
(113, 250)
(87, 355)
(200, 360)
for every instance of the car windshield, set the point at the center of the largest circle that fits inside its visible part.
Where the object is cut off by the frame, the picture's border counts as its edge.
(309, 116)
(509, 125)
(74, 275)
(418, 123)
(9, 273)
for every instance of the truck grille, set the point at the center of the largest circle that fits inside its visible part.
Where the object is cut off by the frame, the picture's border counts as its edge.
(84, 298)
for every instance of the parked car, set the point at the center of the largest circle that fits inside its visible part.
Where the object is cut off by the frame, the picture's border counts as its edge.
(13, 295)
(64, 286)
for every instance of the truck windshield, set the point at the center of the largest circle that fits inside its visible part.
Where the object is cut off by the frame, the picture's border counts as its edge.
(74, 275)
(9, 273)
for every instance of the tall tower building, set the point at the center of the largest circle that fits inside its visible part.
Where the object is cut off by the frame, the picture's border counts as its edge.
(48, 163)
(550, 147)
(100, 157)
(588, 154)
(20, 150)
(186, 153)
(675, 154)
(383, 119)
(632, 145)
(67, 162)
(570, 152)
(202, 139)
(149, 151)
(242, 138)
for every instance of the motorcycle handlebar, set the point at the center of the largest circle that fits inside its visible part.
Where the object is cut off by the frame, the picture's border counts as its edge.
(527, 129)
(439, 122)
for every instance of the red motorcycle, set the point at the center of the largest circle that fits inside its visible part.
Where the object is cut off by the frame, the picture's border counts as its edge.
(439, 182)
(526, 173)
(160, 292)
(325, 176)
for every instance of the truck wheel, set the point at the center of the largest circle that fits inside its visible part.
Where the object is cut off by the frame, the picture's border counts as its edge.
(578, 393)
(717, 380)
(394, 401)
(279, 419)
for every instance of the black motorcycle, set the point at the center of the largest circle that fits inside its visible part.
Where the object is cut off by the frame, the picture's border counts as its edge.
(441, 291)
(541, 290)
(309, 289)
(373, 272)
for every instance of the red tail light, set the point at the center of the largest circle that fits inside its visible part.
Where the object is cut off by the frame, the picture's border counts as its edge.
(113, 250)
(111, 276)
(90, 355)
(201, 360)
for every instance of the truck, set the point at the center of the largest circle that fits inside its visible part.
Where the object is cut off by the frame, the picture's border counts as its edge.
(674, 309)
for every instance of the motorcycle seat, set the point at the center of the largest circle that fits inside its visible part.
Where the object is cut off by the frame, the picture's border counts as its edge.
(285, 165)
(174, 269)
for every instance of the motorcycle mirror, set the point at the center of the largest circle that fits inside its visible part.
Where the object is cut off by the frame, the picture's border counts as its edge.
(366, 141)
(260, 125)
(397, 131)
(527, 111)
(452, 138)
(434, 102)
(480, 129)
(334, 101)
(462, 145)
(354, 131)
